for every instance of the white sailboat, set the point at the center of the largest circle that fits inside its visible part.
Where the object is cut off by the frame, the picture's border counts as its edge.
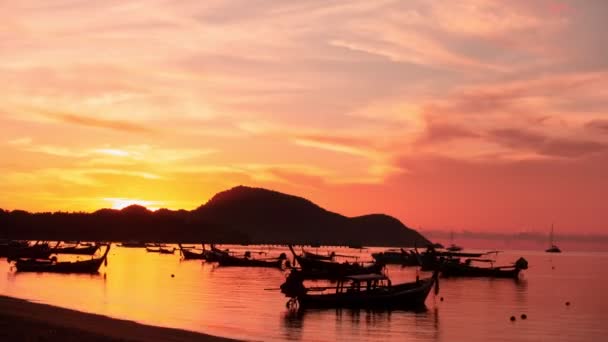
(453, 247)
(553, 248)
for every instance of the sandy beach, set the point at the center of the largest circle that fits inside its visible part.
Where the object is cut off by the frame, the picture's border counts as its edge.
(21, 320)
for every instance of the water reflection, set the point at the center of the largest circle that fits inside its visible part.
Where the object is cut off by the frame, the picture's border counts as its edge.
(361, 324)
(521, 292)
(292, 324)
(231, 301)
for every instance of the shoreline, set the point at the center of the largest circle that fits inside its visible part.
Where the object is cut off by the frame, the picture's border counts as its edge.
(22, 320)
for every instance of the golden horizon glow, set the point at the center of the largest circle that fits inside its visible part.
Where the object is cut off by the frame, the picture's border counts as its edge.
(476, 114)
(121, 203)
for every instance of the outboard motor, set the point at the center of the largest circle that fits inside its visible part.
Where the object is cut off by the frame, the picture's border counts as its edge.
(521, 264)
(293, 286)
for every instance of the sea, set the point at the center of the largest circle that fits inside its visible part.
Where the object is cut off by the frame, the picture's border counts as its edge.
(244, 303)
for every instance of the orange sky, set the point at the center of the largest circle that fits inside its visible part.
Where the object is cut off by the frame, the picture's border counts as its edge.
(478, 114)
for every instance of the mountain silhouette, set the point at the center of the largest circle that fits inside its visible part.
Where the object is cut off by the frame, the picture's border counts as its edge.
(239, 215)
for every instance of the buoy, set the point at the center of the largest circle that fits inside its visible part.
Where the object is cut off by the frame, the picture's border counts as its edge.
(524, 316)
(512, 318)
(441, 299)
(567, 303)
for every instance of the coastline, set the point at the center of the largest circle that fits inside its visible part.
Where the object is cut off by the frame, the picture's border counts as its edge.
(21, 320)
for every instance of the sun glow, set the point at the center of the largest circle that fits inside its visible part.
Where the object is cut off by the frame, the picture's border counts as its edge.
(113, 152)
(121, 203)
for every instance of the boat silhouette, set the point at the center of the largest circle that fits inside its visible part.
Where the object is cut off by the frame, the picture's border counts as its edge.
(54, 266)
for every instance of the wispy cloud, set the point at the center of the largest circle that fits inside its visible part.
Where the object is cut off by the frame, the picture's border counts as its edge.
(346, 145)
(549, 146)
(88, 121)
(600, 125)
(20, 141)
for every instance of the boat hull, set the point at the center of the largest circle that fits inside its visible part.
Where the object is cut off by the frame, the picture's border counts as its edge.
(89, 266)
(84, 266)
(189, 255)
(410, 295)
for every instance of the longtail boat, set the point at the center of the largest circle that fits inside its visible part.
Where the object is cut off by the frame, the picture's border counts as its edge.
(360, 291)
(52, 265)
(247, 261)
(78, 249)
(316, 256)
(455, 268)
(344, 270)
(36, 251)
(215, 254)
(397, 257)
(156, 244)
(432, 259)
(188, 254)
(163, 250)
(320, 269)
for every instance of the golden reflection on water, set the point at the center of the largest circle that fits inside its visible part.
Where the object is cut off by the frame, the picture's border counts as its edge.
(137, 285)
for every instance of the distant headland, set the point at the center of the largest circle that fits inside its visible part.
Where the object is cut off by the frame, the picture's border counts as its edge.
(241, 215)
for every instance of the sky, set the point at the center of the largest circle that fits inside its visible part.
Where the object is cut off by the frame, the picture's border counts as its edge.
(483, 115)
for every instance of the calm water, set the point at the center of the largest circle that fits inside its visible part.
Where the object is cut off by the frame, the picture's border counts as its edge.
(232, 302)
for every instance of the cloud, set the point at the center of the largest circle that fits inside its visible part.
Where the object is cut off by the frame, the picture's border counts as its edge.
(522, 96)
(140, 174)
(598, 125)
(483, 18)
(118, 125)
(437, 131)
(549, 146)
(411, 48)
(572, 148)
(113, 152)
(515, 138)
(299, 179)
(57, 151)
(348, 145)
(546, 117)
(20, 141)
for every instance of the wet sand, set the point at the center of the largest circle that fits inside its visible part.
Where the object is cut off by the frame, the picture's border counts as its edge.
(21, 320)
